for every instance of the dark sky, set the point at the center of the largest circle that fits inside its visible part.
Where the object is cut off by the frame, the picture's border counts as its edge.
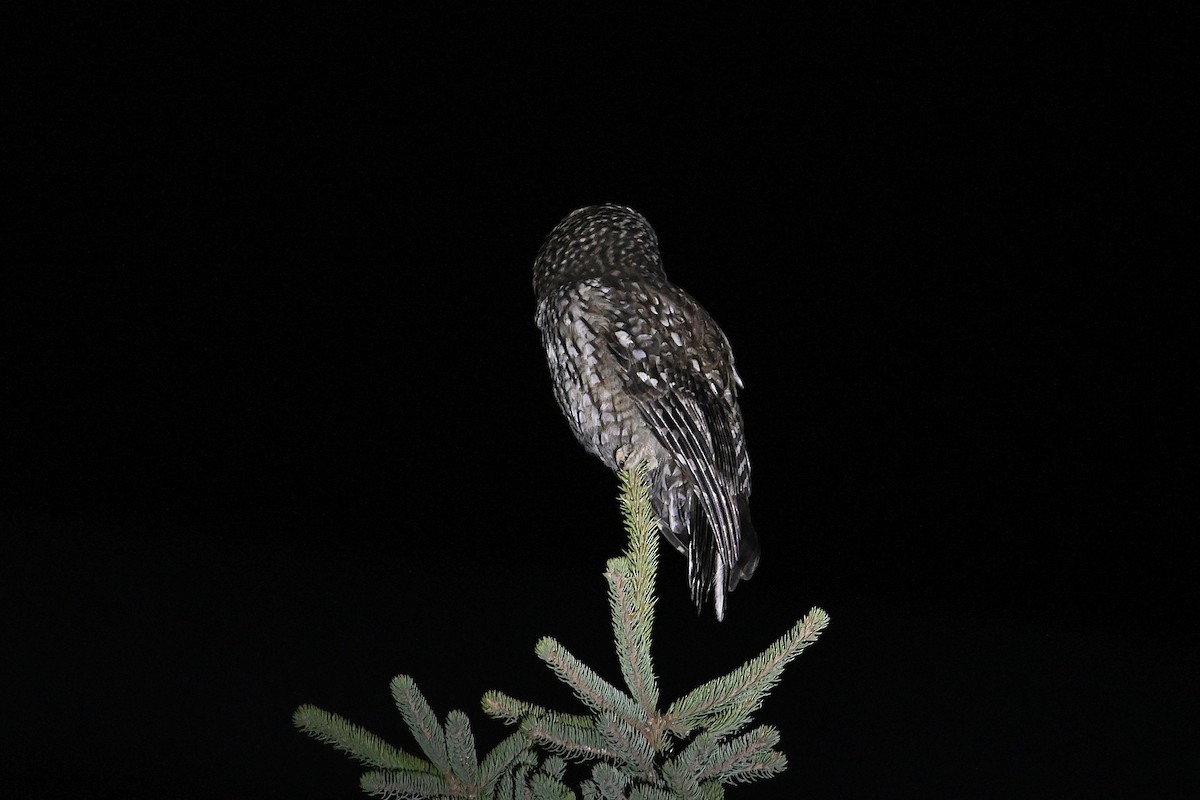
(281, 426)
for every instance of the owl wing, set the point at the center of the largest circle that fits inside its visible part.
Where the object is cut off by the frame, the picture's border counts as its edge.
(678, 370)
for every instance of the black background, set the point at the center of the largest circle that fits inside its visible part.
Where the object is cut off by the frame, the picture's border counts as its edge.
(280, 426)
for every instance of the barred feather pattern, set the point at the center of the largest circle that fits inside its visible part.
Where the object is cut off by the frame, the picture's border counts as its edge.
(643, 373)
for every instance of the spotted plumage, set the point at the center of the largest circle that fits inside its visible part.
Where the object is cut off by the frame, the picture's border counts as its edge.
(643, 373)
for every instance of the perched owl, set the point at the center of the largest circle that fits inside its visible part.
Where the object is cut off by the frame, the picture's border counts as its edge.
(643, 373)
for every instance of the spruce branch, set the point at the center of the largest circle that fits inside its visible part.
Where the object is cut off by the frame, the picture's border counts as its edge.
(420, 719)
(608, 782)
(747, 758)
(460, 747)
(580, 742)
(644, 792)
(359, 743)
(636, 751)
(508, 709)
(592, 690)
(684, 772)
(555, 767)
(406, 785)
(546, 787)
(631, 589)
(501, 706)
(726, 703)
(630, 746)
(513, 750)
(453, 770)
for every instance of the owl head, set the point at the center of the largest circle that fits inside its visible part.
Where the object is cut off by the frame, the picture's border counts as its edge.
(595, 241)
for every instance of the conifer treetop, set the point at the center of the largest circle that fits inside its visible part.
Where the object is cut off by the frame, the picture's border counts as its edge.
(700, 744)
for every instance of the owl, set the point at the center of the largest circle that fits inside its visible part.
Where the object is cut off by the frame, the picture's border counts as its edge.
(643, 374)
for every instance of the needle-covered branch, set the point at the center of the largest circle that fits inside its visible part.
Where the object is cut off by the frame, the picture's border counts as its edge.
(694, 749)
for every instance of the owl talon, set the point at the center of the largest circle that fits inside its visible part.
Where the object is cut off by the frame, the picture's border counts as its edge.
(621, 456)
(628, 457)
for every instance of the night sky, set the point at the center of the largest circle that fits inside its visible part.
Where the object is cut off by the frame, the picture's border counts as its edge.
(279, 425)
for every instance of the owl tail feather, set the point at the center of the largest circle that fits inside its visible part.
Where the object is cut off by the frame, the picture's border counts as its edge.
(706, 569)
(748, 551)
(709, 572)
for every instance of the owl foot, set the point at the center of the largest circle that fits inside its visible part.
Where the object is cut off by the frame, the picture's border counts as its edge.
(629, 456)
